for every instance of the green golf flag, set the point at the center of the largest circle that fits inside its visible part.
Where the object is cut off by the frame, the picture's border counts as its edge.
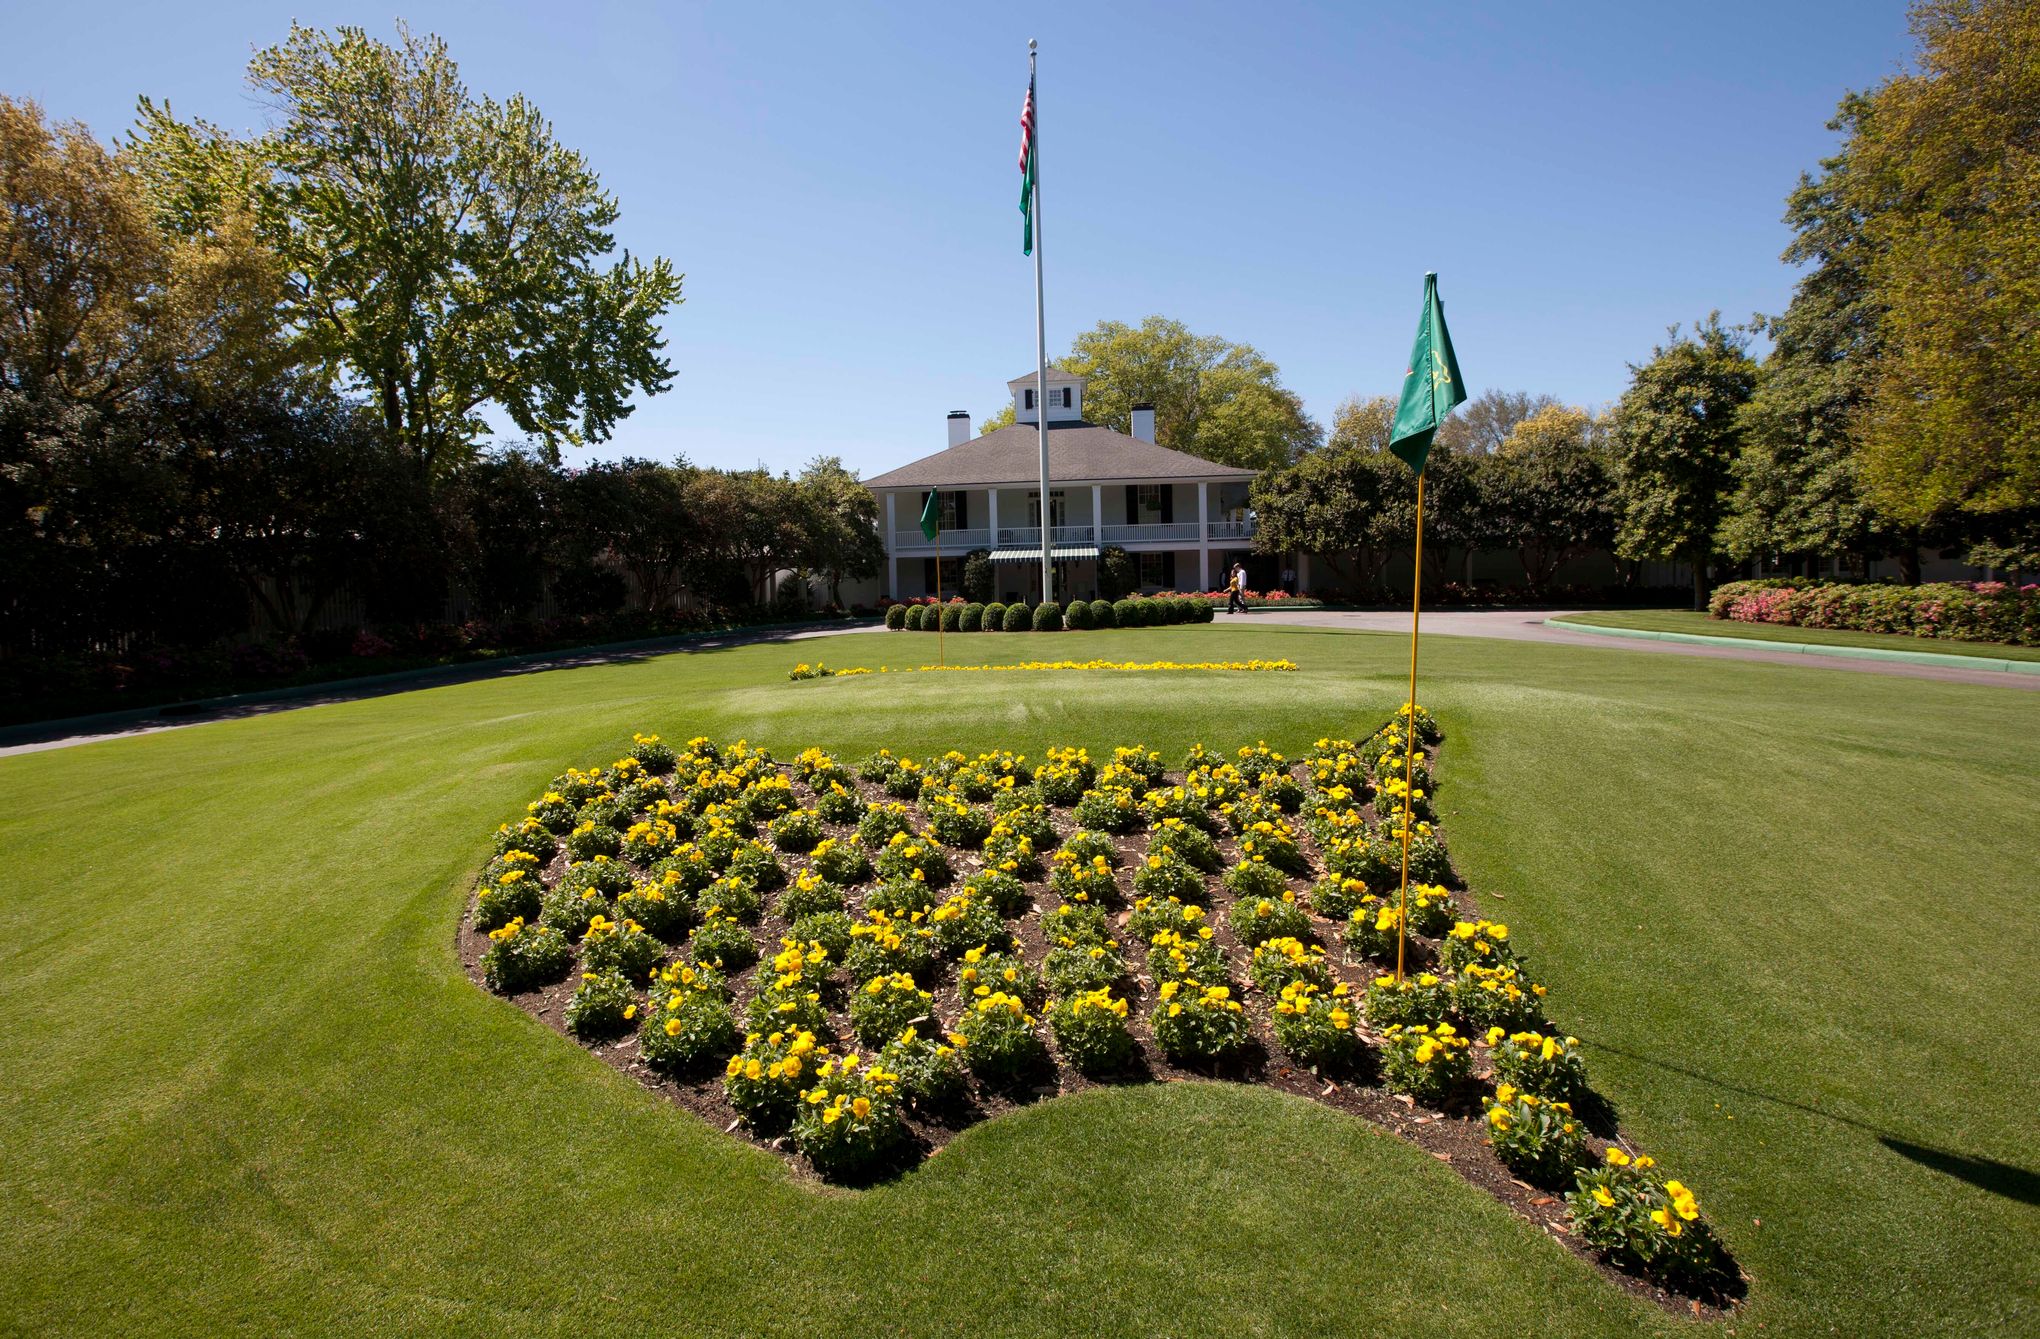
(931, 516)
(1431, 384)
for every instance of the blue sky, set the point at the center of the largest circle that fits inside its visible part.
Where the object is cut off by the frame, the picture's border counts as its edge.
(838, 181)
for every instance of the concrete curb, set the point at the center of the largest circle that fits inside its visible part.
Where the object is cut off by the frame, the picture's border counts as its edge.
(1807, 648)
(171, 713)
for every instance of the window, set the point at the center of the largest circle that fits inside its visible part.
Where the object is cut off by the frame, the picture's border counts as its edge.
(1057, 511)
(1149, 503)
(1151, 573)
(949, 509)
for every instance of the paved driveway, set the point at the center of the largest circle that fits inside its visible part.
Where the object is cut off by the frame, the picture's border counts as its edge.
(1524, 625)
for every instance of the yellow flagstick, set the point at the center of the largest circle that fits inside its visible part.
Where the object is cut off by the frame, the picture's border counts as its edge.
(938, 599)
(1402, 925)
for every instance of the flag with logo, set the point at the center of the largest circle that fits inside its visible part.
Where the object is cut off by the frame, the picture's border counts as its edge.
(931, 516)
(1431, 384)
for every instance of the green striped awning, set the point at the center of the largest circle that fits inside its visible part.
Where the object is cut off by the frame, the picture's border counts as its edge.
(1056, 552)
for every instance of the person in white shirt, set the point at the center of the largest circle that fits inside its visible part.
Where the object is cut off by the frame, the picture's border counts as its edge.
(1236, 590)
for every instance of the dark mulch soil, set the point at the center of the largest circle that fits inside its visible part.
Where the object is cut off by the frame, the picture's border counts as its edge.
(1455, 1135)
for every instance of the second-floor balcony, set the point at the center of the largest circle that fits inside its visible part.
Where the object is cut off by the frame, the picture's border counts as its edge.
(1175, 533)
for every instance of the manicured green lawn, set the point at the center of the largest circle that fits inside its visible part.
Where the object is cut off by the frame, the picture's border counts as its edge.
(249, 1088)
(1698, 624)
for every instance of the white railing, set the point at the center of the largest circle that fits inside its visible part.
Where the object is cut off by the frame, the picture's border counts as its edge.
(1020, 536)
(1180, 531)
(954, 542)
(1240, 529)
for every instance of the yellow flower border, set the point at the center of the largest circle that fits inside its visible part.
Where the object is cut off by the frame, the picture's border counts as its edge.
(820, 671)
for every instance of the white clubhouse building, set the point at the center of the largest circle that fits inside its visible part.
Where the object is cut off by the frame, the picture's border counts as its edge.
(1182, 519)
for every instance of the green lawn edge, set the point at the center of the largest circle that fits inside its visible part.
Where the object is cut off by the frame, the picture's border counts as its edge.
(1951, 660)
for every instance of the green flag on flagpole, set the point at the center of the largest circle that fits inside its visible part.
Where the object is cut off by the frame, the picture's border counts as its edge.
(1431, 385)
(931, 516)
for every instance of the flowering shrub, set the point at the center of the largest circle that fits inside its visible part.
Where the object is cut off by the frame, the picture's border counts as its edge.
(829, 930)
(954, 823)
(1077, 965)
(964, 922)
(731, 895)
(849, 1123)
(1090, 1030)
(1257, 917)
(807, 894)
(1064, 778)
(1315, 1025)
(1166, 875)
(980, 971)
(1978, 611)
(1371, 929)
(1198, 1024)
(917, 858)
(1151, 916)
(842, 863)
(522, 956)
(1278, 962)
(1424, 1061)
(1549, 1067)
(882, 944)
(1537, 1138)
(570, 909)
(931, 1070)
(722, 942)
(797, 830)
(1502, 997)
(1109, 809)
(527, 835)
(1076, 879)
(763, 1082)
(1627, 1211)
(602, 1006)
(1188, 955)
(621, 947)
(1478, 942)
(509, 890)
(998, 1038)
(1418, 998)
(882, 1007)
(687, 1022)
(590, 839)
(838, 803)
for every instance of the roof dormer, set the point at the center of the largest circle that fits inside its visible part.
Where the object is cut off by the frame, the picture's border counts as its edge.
(1065, 397)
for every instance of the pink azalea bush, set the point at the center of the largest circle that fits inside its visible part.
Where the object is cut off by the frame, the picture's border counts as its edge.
(1969, 611)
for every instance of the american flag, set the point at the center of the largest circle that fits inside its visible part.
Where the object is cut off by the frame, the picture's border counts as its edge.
(1027, 126)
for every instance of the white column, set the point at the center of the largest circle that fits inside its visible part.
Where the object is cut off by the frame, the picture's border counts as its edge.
(1098, 513)
(1203, 536)
(892, 564)
(992, 515)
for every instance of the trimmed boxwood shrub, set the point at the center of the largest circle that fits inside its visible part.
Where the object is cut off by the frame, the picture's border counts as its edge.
(972, 619)
(995, 617)
(1078, 619)
(895, 617)
(1017, 617)
(952, 617)
(1048, 617)
(1201, 610)
(1101, 614)
(1151, 612)
(913, 617)
(1126, 613)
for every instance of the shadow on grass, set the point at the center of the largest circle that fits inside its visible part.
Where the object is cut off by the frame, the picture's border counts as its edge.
(1986, 1174)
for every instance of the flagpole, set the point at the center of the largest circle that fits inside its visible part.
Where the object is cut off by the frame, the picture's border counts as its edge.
(1040, 331)
(938, 589)
(1402, 927)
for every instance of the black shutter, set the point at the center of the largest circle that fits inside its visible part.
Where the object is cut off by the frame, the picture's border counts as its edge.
(927, 576)
(1168, 503)
(962, 510)
(1133, 504)
(1066, 397)
(1168, 564)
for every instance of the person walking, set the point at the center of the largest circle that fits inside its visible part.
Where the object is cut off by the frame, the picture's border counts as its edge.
(1236, 590)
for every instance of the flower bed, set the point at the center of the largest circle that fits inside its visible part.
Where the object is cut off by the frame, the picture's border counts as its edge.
(964, 934)
(820, 671)
(1974, 611)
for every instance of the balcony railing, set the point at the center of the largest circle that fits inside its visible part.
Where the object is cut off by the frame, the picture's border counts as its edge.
(1022, 536)
(1240, 529)
(954, 542)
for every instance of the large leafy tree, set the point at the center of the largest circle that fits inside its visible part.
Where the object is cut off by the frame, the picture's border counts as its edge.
(1213, 398)
(842, 524)
(440, 253)
(1945, 171)
(1328, 504)
(1677, 434)
(1547, 492)
(1482, 424)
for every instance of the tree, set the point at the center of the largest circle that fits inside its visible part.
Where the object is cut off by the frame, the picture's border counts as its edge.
(439, 252)
(1363, 425)
(1946, 167)
(1798, 490)
(1676, 440)
(1328, 503)
(1214, 399)
(648, 518)
(843, 537)
(1547, 493)
(1482, 424)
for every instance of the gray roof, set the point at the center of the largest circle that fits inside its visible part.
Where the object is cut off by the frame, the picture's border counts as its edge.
(1077, 451)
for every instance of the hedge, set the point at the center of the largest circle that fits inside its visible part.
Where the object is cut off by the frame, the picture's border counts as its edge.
(1969, 611)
